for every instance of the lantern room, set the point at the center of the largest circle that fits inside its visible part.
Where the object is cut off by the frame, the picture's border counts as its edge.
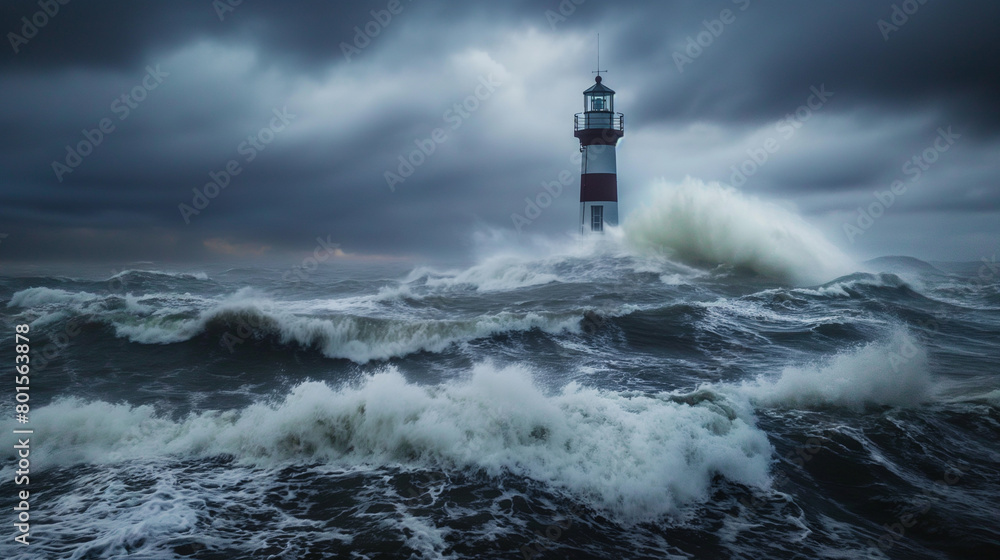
(599, 97)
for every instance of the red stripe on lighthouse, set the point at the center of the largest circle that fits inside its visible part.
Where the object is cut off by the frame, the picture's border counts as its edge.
(599, 187)
(599, 136)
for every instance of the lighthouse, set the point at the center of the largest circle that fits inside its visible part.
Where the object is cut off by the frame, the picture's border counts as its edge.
(598, 127)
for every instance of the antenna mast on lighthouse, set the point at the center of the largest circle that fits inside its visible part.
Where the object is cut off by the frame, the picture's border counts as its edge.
(598, 71)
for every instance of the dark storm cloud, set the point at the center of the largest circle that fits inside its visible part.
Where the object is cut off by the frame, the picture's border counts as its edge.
(324, 173)
(759, 65)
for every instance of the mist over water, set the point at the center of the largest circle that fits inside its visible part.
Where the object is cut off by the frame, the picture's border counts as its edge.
(712, 379)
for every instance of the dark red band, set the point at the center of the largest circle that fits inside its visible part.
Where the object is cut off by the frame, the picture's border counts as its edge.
(596, 187)
(593, 136)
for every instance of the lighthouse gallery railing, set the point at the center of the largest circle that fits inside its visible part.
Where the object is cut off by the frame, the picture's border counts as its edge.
(599, 119)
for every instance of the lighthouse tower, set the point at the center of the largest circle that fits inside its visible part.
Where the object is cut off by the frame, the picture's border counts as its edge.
(598, 129)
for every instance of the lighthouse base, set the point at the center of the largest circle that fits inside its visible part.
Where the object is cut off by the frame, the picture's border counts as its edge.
(596, 215)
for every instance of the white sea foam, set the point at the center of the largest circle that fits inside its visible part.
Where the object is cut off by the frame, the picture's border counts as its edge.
(147, 510)
(339, 328)
(364, 339)
(709, 223)
(356, 338)
(188, 275)
(840, 286)
(636, 457)
(892, 372)
(506, 264)
(36, 297)
(973, 393)
(497, 273)
(991, 397)
(396, 292)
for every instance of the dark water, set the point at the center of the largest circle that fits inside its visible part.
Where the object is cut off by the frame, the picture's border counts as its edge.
(574, 406)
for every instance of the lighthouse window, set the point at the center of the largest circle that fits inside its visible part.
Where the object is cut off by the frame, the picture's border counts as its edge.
(600, 103)
(596, 218)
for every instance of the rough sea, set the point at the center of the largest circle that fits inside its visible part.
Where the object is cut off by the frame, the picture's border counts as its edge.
(581, 398)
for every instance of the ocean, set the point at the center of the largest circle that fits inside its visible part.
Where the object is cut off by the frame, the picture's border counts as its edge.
(580, 398)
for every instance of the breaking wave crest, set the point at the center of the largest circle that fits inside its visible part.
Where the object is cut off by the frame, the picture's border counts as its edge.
(852, 285)
(636, 457)
(500, 273)
(34, 297)
(892, 372)
(337, 328)
(140, 274)
(357, 338)
(708, 223)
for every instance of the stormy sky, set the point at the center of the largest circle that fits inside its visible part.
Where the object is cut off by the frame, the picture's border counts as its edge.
(114, 113)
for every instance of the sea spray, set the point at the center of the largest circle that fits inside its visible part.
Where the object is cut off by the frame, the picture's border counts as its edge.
(890, 372)
(709, 224)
